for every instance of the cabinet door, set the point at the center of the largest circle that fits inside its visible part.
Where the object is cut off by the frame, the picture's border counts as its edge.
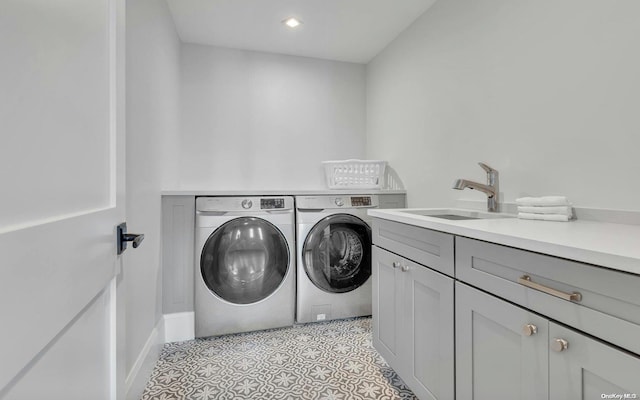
(427, 337)
(589, 369)
(495, 359)
(387, 288)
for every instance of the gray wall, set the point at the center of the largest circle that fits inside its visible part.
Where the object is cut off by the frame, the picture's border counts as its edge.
(254, 120)
(547, 92)
(152, 127)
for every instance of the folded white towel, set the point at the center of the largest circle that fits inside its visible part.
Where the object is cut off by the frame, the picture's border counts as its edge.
(545, 217)
(563, 210)
(543, 201)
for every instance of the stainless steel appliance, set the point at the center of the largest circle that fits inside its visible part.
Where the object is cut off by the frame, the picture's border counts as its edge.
(333, 243)
(245, 265)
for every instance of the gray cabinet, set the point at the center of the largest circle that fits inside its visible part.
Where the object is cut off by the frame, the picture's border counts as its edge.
(427, 247)
(413, 323)
(608, 306)
(588, 368)
(501, 349)
(527, 325)
(387, 304)
(505, 351)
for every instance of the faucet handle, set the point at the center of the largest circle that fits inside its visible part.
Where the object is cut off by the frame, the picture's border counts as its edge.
(492, 180)
(487, 168)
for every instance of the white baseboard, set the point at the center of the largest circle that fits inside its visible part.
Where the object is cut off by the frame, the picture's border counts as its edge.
(170, 328)
(141, 371)
(179, 327)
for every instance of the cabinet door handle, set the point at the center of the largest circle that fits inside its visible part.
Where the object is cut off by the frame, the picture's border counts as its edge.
(405, 268)
(396, 264)
(526, 281)
(529, 329)
(559, 345)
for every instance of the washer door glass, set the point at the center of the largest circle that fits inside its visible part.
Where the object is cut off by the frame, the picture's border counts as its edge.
(337, 253)
(245, 260)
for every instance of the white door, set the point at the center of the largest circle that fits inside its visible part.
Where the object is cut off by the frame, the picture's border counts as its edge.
(62, 191)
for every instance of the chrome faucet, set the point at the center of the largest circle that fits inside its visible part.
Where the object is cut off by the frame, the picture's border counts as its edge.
(491, 188)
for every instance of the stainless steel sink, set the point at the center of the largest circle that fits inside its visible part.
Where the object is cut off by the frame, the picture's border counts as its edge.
(453, 217)
(456, 214)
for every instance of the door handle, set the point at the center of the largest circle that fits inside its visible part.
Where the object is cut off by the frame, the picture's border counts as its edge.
(122, 237)
(136, 238)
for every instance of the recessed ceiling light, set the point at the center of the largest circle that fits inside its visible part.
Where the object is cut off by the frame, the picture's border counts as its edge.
(291, 22)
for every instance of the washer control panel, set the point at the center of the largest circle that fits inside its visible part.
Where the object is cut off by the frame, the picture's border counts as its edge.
(243, 204)
(361, 201)
(271, 204)
(339, 202)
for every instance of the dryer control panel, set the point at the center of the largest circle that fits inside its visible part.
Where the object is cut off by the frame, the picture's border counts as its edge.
(332, 202)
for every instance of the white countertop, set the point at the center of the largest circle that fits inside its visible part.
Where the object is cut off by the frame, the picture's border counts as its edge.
(615, 246)
(278, 192)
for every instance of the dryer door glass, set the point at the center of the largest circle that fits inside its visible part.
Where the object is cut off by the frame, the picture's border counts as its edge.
(337, 253)
(245, 260)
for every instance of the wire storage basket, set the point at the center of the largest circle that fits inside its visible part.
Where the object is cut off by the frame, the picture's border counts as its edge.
(355, 174)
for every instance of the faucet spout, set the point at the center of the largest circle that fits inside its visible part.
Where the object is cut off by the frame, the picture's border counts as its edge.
(490, 189)
(461, 184)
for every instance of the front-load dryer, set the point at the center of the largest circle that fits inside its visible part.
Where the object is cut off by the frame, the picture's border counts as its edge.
(333, 256)
(245, 265)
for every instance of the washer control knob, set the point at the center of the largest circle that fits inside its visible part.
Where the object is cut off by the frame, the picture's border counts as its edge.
(339, 202)
(247, 204)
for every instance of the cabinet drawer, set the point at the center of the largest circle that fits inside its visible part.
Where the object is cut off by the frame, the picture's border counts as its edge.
(609, 307)
(424, 246)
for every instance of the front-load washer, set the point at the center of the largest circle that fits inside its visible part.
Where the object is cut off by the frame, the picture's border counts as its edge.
(245, 266)
(333, 256)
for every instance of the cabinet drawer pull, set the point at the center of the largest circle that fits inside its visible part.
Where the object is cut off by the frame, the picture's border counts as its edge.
(526, 281)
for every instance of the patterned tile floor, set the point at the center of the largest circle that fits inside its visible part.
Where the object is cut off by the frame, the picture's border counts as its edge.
(322, 361)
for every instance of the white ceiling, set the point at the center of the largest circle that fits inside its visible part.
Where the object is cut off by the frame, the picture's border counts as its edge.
(344, 30)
